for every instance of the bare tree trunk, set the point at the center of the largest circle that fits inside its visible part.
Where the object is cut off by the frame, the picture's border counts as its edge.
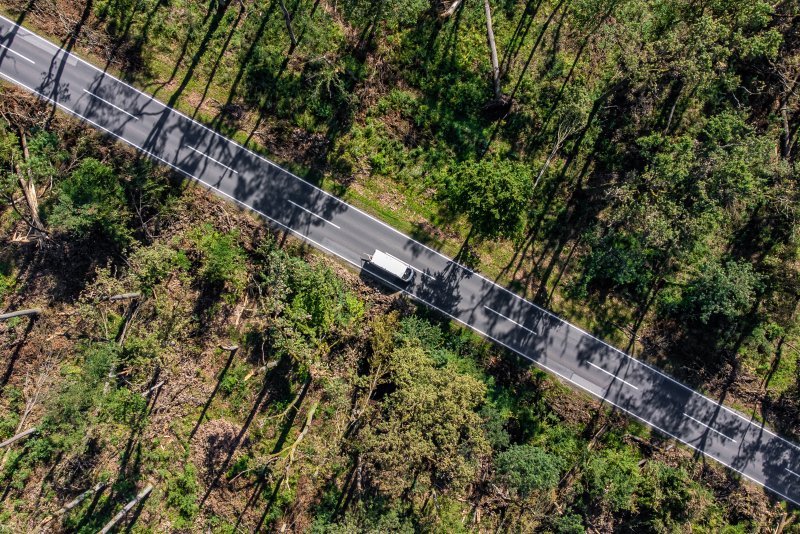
(152, 389)
(75, 502)
(125, 296)
(128, 507)
(492, 49)
(787, 135)
(288, 18)
(14, 439)
(33, 312)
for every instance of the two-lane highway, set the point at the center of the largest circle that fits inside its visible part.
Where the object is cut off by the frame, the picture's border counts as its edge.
(290, 203)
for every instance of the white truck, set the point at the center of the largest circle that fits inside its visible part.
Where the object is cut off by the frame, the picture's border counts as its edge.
(390, 264)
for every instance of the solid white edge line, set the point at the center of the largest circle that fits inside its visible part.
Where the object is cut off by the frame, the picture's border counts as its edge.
(613, 375)
(29, 60)
(648, 423)
(699, 422)
(212, 159)
(511, 320)
(295, 204)
(101, 99)
(423, 245)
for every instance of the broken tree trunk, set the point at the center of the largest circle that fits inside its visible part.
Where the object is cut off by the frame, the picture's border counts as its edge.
(29, 189)
(14, 439)
(128, 507)
(492, 50)
(33, 312)
(450, 10)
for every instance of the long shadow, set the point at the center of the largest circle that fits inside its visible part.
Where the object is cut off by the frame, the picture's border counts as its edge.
(257, 490)
(218, 60)
(501, 123)
(9, 37)
(244, 62)
(584, 43)
(67, 47)
(268, 507)
(134, 61)
(210, 399)
(219, 14)
(266, 386)
(14, 356)
(517, 39)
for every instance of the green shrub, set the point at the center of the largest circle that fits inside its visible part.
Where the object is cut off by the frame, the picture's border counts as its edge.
(222, 260)
(182, 496)
(527, 469)
(92, 200)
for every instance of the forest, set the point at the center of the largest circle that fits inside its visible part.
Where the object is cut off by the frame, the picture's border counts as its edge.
(629, 164)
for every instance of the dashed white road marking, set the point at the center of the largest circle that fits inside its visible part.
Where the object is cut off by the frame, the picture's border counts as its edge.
(103, 100)
(29, 60)
(193, 149)
(708, 427)
(296, 205)
(792, 472)
(509, 319)
(613, 375)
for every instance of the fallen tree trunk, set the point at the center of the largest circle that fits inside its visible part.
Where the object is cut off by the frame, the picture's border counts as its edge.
(152, 389)
(128, 507)
(33, 312)
(75, 502)
(492, 50)
(125, 296)
(14, 439)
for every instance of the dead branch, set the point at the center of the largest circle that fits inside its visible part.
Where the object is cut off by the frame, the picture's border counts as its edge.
(29, 188)
(293, 403)
(260, 370)
(303, 432)
(128, 507)
(565, 129)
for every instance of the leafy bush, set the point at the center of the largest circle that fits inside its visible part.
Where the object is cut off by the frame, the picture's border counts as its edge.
(721, 292)
(150, 265)
(92, 200)
(222, 260)
(182, 496)
(527, 469)
(612, 478)
(493, 194)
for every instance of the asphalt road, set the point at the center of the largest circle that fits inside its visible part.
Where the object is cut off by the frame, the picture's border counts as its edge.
(290, 203)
